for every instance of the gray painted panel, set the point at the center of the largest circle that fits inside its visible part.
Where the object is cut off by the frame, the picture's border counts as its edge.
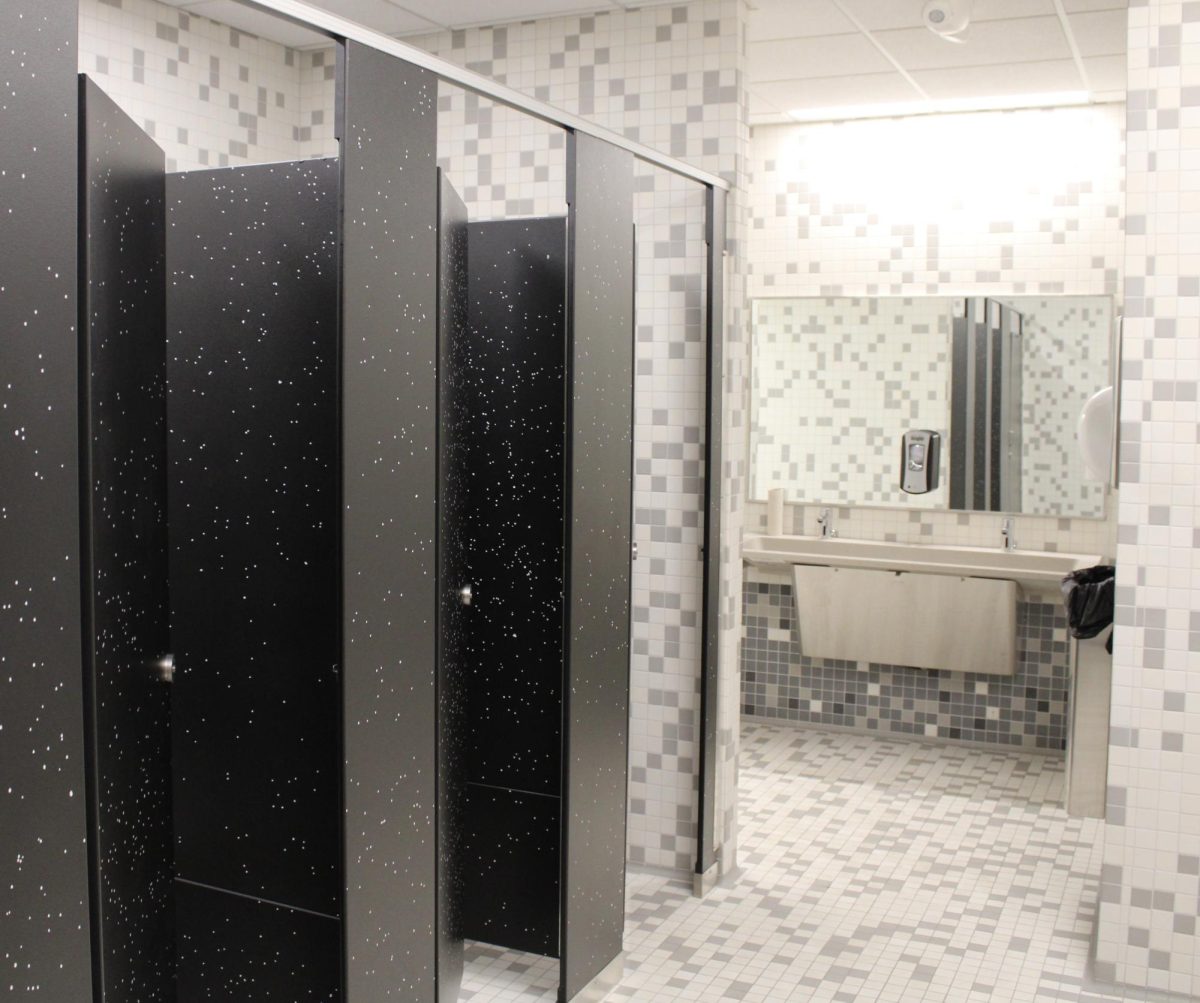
(125, 498)
(44, 922)
(387, 120)
(599, 535)
(454, 442)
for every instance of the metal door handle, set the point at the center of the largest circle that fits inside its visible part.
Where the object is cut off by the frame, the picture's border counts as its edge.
(635, 552)
(164, 668)
(465, 596)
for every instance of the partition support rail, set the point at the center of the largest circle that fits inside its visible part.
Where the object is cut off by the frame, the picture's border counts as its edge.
(707, 839)
(337, 27)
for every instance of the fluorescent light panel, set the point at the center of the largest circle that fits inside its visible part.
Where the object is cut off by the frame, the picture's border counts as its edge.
(897, 109)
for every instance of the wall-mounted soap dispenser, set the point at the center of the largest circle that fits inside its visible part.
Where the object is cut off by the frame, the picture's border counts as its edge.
(919, 461)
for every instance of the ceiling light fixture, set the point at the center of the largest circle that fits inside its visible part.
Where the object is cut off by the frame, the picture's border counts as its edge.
(948, 19)
(898, 109)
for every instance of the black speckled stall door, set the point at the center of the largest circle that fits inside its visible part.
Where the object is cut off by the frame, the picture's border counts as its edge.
(510, 363)
(125, 539)
(44, 923)
(387, 118)
(252, 375)
(599, 535)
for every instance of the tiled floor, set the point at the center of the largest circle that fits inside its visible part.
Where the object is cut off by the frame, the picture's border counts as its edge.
(872, 870)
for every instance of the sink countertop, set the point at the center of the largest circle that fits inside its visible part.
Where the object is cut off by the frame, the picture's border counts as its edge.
(1034, 568)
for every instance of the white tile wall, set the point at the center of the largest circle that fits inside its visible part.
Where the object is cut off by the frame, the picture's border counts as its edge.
(833, 384)
(1150, 882)
(208, 94)
(924, 206)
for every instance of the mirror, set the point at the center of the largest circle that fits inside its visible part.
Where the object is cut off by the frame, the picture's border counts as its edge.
(962, 403)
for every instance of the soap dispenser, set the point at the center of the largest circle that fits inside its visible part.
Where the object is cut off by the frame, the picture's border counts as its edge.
(919, 461)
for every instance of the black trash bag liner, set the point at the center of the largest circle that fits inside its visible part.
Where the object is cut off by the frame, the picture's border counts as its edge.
(1088, 597)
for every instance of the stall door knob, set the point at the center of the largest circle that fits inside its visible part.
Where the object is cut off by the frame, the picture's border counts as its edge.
(464, 595)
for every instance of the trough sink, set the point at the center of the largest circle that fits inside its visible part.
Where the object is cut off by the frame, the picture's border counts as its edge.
(1032, 568)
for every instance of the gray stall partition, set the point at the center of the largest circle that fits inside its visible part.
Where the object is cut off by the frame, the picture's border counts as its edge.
(598, 543)
(44, 922)
(454, 444)
(124, 410)
(387, 124)
(253, 450)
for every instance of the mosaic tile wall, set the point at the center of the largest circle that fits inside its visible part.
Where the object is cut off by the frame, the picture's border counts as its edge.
(1150, 882)
(1066, 356)
(667, 76)
(209, 95)
(835, 382)
(825, 222)
(1027, 710)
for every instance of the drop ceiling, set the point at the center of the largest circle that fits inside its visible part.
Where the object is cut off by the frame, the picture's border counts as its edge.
(816, 55)
(806, 55)
(402, 17)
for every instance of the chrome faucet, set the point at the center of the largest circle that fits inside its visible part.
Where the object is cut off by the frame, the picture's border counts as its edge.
(825, 521)
(1006, 531)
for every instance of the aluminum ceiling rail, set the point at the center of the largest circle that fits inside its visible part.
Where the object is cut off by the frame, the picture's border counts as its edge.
(334, 26)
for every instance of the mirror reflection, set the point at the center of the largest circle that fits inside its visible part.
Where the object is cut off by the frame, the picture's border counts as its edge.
(964, 403)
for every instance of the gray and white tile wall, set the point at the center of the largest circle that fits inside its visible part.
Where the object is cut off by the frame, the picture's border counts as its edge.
(1150, 882)
(209, 95)
(1067, 355)
(668, 76)
(836, 381)
(1025, 710)
(833, 385)
(825, 221)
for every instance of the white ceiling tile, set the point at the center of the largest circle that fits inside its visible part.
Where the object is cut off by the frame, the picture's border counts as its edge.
(1023, 40)
(1083, 5)
(775, 19)
(802, 58)
(1107, 73)
(1006, 10)
(256, 22)
(463, 13)
(884, 15)
(1100, 33)
(824, 92)
(762, 109)
(990, 81)
(378, 14)
(879, 14)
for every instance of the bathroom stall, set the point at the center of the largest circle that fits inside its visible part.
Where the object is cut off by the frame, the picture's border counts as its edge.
(385, 453)
(353, 540)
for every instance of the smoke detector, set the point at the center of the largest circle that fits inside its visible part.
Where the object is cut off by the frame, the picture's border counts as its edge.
(948, 19)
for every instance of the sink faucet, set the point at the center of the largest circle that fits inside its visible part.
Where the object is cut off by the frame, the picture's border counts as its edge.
(1006, 531)
(825, 521)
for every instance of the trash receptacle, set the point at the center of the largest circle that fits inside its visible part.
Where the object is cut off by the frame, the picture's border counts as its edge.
(1088, 598)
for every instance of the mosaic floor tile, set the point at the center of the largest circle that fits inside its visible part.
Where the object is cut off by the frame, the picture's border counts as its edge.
(873, 871)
